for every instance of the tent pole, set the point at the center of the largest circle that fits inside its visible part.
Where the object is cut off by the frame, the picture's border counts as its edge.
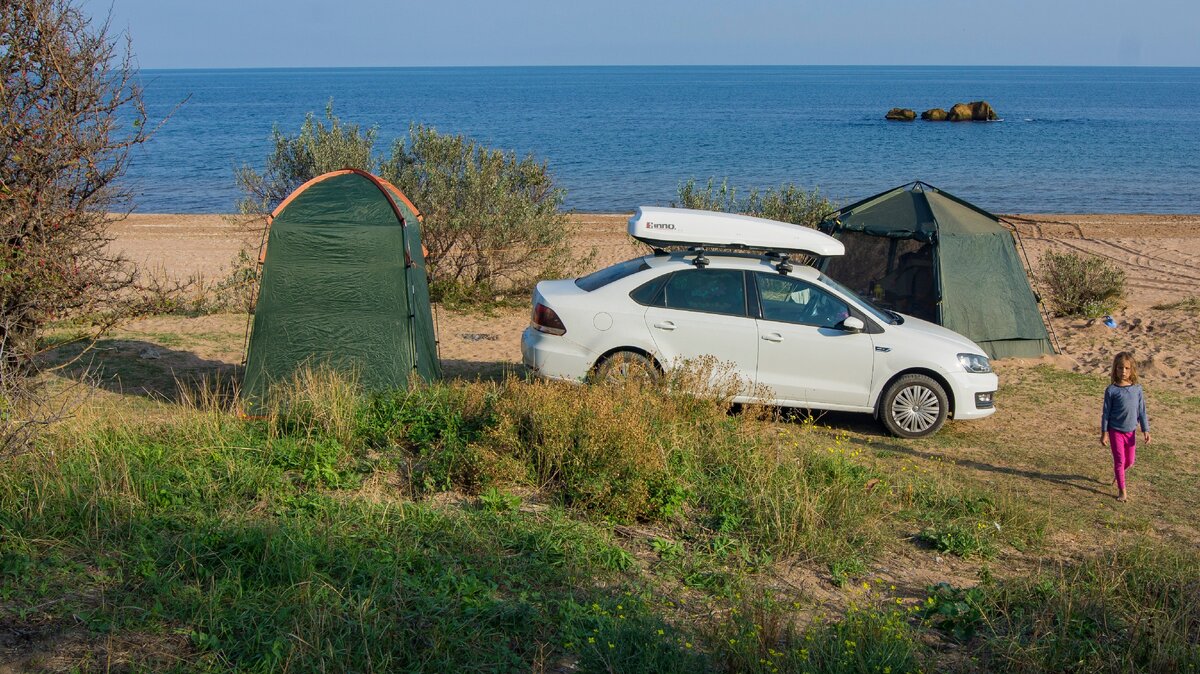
(1016, 234)
(258, 269)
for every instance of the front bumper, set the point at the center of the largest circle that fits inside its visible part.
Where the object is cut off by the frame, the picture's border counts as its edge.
(966, 387)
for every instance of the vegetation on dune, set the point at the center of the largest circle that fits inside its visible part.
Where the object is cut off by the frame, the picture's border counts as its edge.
(787, 203)
(492, 223)
(1082, 285)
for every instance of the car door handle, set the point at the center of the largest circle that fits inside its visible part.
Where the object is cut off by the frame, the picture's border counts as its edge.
(665, 325)
(773, 337)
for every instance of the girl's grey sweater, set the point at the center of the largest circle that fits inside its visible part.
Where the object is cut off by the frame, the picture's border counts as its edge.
(1124, 409)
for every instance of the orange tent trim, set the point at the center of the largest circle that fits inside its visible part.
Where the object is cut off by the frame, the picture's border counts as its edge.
(380, 183)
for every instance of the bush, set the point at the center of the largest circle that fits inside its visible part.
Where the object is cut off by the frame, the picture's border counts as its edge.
(491, 221)
(1082, 286)
(788, 203)
(315, 150)
(72, 113)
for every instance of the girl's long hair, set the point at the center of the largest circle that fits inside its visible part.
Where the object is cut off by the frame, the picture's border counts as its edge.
(1123, 358)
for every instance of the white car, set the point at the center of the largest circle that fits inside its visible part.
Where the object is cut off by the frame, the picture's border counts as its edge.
(784, 327)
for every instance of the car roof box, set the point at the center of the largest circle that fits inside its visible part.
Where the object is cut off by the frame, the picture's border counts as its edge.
(679, 227)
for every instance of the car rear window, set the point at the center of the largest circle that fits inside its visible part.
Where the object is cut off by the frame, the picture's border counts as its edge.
(607, 275)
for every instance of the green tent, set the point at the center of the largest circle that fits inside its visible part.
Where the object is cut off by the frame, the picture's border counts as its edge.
(343, 286)
(926, 253)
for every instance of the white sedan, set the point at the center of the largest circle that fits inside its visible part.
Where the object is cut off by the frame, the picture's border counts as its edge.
(795, 337)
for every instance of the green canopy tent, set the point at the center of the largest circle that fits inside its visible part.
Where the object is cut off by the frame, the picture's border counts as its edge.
(343, 286)
(927, 253)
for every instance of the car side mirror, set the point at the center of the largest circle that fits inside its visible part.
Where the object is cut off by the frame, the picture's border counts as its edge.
(853, 324)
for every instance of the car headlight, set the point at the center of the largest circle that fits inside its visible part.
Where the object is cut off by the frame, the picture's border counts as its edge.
(973, 362)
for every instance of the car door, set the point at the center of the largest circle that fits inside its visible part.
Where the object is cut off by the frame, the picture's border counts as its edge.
(803, 354)
(702, 312)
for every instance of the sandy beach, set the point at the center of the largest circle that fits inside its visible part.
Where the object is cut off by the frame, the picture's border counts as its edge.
(1159, 253)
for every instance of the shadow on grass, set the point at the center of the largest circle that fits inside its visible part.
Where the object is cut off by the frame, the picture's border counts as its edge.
(153, 370)
(137, 367)
(1065, 479)
(878, 439)
(472, 370)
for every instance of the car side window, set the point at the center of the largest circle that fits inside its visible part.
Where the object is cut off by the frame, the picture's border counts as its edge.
(650, 292)
(789, 300)
(716, 291)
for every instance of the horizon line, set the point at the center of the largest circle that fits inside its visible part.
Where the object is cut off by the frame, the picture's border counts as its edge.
(664, 65)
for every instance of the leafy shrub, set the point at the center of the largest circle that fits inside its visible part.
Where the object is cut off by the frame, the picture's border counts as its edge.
(491, 220)
(297, 159)
(1082, 286)
(787, 203)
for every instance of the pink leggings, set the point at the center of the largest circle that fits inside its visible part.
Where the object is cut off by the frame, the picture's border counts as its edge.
(1124, 451)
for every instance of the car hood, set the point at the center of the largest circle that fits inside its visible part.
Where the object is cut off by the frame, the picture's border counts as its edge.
(917, 327)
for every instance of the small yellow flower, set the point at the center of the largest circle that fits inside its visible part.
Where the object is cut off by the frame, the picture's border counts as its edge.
(591, 640)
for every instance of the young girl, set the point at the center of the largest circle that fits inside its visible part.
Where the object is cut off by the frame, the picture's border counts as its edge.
(1124, 412)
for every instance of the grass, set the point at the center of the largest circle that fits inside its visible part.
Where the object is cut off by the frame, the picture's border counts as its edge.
(513, 525)
(1130, 609)
(1189, 304)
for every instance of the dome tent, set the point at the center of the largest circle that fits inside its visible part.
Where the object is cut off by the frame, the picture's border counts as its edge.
(344, 286)
(926, 253)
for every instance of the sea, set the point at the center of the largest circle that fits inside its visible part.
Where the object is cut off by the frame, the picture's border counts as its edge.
(1070, 139)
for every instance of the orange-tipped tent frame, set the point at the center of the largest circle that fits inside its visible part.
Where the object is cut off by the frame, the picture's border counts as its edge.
(389, 190)
(345, 286)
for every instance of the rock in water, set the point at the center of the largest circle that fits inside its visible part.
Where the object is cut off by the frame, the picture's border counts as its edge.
(981, 111)
(961, 112)
(978, 111)
(901, 115)
(934, 115)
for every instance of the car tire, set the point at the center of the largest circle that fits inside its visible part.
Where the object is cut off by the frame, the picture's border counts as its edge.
(626, 367)
(914, 406)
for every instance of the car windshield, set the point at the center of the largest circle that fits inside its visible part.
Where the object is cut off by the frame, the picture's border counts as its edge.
(889, 317)
(605, 276)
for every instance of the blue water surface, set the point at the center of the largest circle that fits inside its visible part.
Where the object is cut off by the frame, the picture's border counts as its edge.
(1072, 140)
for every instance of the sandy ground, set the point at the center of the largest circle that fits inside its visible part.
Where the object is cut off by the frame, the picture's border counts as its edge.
(1160, 254)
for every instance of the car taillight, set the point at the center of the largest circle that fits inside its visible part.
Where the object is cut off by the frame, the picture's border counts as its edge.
(545, 320)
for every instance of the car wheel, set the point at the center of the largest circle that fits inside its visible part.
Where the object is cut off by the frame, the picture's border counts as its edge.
(626, 367)
(914, 406)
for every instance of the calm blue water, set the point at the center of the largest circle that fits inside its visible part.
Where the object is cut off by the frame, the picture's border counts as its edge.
(1078, 140)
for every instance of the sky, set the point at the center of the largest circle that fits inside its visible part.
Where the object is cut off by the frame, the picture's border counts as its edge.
(399, 33)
